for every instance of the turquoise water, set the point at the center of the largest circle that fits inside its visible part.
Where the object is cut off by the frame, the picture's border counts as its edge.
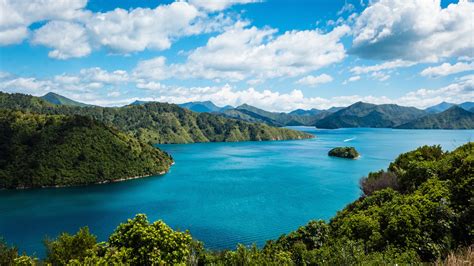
(224, 193)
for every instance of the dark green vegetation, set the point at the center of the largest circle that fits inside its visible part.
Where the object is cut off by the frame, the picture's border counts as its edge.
(158, 122)
(252, 114)
(418, 210)
(453, 118)
(54, 98)
(370, 115)
(56, 150)
(344, 152)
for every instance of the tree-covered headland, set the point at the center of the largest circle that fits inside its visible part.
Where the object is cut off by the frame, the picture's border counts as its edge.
(57, 150)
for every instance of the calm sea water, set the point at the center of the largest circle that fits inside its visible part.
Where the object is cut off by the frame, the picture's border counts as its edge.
(224, 193)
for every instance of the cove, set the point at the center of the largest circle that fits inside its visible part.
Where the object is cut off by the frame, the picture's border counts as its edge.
(224, 193)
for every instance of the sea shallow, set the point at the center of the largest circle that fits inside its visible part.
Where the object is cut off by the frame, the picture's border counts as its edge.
(224, 193)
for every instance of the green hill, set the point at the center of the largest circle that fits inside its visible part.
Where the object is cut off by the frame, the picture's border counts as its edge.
(453, 118)
(250, 113)
(159, 122)
(54, 98)
(370, 115)
(56, 150)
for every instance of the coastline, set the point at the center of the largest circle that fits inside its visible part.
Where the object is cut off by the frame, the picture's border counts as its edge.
(96, 183)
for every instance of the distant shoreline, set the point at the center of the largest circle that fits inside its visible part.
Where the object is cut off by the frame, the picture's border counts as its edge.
(96, 183)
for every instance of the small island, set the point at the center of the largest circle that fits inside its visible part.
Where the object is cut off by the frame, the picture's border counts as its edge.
(344, 152)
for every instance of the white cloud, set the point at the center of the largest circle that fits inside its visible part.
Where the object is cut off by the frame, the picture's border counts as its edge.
(379, 67)
(153, 69)
(446, 69)
(125, 31)
(354, 78)
(97, 74)
(17, 16)
(414, 30)
(311, 80)
(13, 35)
(380, 76)
(218, 5)
(346, 8)
(97, 93)
(240, 53)
(66, 38)
(119, 31)
(457, 92)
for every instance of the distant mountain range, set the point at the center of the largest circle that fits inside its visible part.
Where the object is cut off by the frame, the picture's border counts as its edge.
(441, 107)
(441, 116)
(205, 107)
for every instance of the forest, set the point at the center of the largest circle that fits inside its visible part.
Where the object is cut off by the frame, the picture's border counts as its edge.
(57, 150)
(156, 122)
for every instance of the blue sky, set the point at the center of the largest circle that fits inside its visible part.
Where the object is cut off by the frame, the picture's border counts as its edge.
(275, 54)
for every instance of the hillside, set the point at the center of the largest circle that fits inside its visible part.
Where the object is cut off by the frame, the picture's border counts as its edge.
(453, 118)
(159, 122)
(250, 113)
(55, 150)
(54, 98)
(370, 115)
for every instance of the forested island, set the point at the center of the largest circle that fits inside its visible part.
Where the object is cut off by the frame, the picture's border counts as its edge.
(57, 150)
(344, 152)
(156, 122)
(418, 210)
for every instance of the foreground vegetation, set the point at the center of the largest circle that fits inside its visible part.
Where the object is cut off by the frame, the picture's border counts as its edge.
(418, 210)
(156, 122)
(56, 150)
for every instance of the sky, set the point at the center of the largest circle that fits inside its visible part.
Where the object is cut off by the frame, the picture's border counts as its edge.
(279, 55)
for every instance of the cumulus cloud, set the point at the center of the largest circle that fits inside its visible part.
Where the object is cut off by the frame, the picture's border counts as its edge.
(66, 38)
(142, 28)
(418, 30)
(311, 80)
(17, 16)
(243, 52)
(446, 69)
(218, 5)
(119, 30)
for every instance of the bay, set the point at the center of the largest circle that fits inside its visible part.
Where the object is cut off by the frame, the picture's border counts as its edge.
(224, 193)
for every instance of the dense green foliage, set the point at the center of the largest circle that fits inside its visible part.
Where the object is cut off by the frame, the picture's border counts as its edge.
(370, 115)
(56, 150)
(423, 214)
(453, 118)
(159, 122)
(344, 152)
(54, 98)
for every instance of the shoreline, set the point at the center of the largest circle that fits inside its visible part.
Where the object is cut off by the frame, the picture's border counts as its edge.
(96, 183)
